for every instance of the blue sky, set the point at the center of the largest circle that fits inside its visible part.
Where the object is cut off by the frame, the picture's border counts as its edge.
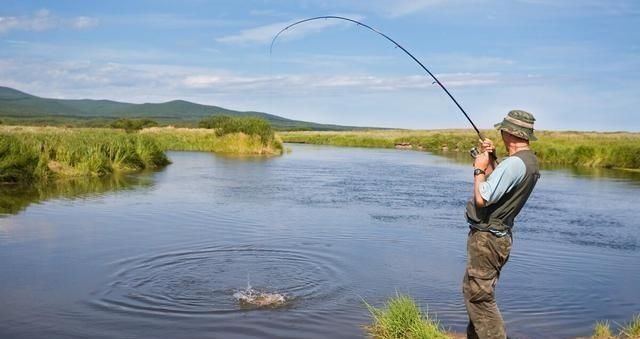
(574, 64)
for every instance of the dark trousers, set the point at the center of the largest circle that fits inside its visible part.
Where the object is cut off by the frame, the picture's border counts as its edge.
(486, 255)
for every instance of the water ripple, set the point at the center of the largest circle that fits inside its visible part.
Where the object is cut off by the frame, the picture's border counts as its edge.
(203, 281)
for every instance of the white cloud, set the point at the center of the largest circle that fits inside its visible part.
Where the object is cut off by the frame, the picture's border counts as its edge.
(42, 20)
(399, 8)
(83, 22)
(120, 81)
(264, 34)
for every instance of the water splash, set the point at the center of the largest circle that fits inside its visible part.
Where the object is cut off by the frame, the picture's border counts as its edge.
(255, 298)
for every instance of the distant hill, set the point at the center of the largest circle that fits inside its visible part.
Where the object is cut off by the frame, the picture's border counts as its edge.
(17, 106)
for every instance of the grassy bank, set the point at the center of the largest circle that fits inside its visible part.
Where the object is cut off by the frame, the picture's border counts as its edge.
(401, 317)
(41, 153)
(590, 149)
(28, 154)
(199, 139)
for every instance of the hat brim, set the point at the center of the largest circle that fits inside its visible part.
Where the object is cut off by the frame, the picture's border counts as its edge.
(501, 126)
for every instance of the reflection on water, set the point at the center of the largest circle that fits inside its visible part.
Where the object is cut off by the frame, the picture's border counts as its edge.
(632, 177)
(15, 198)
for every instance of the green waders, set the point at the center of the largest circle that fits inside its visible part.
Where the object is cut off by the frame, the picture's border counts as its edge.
(486, 255)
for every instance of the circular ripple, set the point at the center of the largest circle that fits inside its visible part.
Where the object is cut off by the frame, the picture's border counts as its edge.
(201, 282)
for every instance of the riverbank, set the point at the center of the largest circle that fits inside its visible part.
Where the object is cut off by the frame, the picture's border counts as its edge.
(401, 317)
(584, 149)
(30, 154)
(206, 140)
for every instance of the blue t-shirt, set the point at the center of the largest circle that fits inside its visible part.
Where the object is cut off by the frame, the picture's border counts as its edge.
(509, 173)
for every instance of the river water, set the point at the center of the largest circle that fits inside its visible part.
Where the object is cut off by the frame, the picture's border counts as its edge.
(161, 254)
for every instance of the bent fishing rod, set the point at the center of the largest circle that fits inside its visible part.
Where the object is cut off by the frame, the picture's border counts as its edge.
(392, 41)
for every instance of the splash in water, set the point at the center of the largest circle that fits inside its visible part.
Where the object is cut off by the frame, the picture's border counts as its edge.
(255, 298)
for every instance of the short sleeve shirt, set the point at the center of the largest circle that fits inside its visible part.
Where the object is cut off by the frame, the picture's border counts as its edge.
(509, 173)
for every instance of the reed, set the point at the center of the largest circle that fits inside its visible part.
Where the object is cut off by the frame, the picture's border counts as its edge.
(40, 153)
(401, 317)
(199, 139)
(583, 149)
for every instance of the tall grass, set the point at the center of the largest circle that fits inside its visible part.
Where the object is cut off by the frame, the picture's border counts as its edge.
(402, 318)
(631, 330)
(31, 153)
(224, 125)
(189, 139)
(585, 149)
(40, 153)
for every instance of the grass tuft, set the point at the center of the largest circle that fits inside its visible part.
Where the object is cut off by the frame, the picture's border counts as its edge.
(402, 318)
(632, 329)
(602, 330)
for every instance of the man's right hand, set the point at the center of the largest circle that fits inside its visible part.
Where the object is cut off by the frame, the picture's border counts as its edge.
(487, 145)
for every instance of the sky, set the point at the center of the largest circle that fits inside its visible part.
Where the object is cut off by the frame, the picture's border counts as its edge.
(574, 64)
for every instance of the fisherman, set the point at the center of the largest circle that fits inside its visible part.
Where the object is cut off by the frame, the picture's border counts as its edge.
(499, 193)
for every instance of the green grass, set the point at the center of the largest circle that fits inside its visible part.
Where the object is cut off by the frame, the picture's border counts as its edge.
(28, 154)
(400, 318)
(198, 139)
(42, 153)
(581, 149)
(602, 330)
(631, 330)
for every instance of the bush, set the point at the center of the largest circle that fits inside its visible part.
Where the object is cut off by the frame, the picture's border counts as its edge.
(131, 125)
(224, 125)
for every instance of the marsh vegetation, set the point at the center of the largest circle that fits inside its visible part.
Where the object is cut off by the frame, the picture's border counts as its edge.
(29, 154)
(587, 149)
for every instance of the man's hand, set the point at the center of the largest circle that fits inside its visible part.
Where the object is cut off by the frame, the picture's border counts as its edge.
(482, 161)
(487, 145)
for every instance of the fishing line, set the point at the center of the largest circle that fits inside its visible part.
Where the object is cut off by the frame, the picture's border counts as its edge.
(392, 41)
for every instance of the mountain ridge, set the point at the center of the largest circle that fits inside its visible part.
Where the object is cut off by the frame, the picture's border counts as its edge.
(22, 106)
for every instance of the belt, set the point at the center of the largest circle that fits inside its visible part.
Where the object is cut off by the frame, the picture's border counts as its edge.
(497, 233)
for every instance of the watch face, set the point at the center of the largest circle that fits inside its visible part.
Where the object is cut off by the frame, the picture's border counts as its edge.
(478, 171)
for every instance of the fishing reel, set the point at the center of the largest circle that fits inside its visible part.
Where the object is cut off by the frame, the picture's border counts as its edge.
(474, 152)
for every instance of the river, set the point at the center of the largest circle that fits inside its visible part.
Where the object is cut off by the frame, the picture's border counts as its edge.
(160, 254)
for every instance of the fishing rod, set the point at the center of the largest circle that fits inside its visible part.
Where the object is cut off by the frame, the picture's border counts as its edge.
(392, 41)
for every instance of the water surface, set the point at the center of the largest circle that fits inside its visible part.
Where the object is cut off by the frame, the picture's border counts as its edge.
(328, 227)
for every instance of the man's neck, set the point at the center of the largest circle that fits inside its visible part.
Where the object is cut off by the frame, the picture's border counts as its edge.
(515, 148)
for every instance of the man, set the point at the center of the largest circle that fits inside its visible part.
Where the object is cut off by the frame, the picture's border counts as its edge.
(499, 194)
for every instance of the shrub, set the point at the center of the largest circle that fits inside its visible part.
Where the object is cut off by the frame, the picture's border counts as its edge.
(131, 125)
(224, 125)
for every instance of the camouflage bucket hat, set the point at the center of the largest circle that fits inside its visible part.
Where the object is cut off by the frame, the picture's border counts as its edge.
(518, 123)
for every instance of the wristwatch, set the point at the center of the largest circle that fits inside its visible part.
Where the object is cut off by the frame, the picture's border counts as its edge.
(477, 171)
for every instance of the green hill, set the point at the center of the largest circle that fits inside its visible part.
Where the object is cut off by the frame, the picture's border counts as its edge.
(20, 107)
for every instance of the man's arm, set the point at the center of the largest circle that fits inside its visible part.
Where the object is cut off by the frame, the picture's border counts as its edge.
(482, 162)
(506, 176)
